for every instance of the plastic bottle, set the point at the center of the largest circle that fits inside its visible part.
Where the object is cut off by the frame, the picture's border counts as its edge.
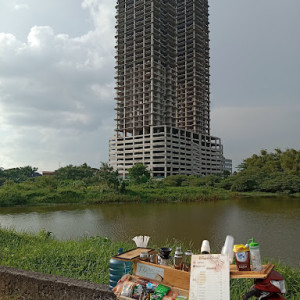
(117, 268)
(255, 255)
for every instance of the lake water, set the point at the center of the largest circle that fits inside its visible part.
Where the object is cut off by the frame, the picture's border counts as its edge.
(274, 223)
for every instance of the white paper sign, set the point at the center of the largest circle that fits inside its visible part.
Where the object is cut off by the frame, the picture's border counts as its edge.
(210, 274)
(150, 272)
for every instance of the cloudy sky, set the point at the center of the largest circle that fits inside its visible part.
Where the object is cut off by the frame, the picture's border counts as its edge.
(57, 86)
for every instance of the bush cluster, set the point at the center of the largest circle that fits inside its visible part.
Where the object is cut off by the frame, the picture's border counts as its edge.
(267, 172)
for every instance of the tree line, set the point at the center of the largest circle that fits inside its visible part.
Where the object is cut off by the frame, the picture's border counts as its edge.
(277, 171)
(273, 172)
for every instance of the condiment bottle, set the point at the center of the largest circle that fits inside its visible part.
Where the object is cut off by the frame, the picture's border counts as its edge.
(242, 257)
(178, 259)
(255, 256)
(205, 248)
(187, 260)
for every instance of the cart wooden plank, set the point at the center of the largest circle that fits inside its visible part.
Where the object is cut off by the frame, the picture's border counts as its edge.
(236, 274)
(133, 254)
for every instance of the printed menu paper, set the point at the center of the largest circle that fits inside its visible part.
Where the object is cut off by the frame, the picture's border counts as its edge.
(210, 274)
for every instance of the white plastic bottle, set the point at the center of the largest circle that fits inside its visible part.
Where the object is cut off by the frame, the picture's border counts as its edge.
(255, 256)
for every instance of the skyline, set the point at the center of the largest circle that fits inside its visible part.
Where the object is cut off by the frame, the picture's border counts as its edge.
(57, 87)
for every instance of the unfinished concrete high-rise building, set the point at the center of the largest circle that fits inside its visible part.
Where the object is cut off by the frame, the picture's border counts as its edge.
(162, 89)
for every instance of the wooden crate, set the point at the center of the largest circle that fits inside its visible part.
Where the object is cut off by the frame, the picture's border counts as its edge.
(180, 292)
(177, 280)
(171, 277)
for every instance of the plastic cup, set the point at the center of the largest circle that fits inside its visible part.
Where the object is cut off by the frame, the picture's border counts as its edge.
(228, 248)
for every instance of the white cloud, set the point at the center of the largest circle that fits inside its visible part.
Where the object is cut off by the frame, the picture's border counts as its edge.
(21, 6)
(56, 94)
(56, 85)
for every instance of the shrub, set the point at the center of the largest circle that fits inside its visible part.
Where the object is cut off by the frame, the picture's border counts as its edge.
(244, 184)
(175, 180)
(282, 183)
(10, 196)
(139, 174)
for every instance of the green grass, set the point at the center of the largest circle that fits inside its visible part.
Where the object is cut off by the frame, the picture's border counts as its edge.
(33, 193)
(88, 258)
(178, 194)
(49, 190)
(296, 195)
(267, 195)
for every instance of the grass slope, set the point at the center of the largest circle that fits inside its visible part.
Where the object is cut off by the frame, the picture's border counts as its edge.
(28, 193)
(88, 259)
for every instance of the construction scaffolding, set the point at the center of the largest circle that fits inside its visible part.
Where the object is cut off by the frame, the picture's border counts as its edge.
(162, 81)
(193, 66)
(146, 63)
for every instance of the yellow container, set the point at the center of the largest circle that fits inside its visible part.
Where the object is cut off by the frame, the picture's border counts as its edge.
(240, 248)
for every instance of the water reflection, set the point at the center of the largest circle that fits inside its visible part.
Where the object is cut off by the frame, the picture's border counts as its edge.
(273, 222)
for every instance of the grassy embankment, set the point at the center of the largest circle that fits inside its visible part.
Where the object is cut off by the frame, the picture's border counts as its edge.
(27, 193)
(48, 190)
(88, 258)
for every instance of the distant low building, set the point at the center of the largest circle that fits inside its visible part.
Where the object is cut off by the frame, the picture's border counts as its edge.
(228, 165)
(48, 173)
(36, 174)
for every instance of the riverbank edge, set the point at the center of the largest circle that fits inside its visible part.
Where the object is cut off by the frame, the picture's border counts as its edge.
(135, 194)
(88, 258)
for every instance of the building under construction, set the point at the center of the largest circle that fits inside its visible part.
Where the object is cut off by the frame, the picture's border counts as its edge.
(162, 89)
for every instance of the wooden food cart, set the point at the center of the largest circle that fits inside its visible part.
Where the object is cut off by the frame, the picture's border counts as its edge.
(177, 280)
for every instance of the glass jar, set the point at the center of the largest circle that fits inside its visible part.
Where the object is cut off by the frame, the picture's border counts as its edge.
(187, 260)
(154, 258)
(144, 256)
(178, 259)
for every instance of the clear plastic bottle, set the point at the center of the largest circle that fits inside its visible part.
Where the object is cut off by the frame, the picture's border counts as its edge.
(255, 256)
